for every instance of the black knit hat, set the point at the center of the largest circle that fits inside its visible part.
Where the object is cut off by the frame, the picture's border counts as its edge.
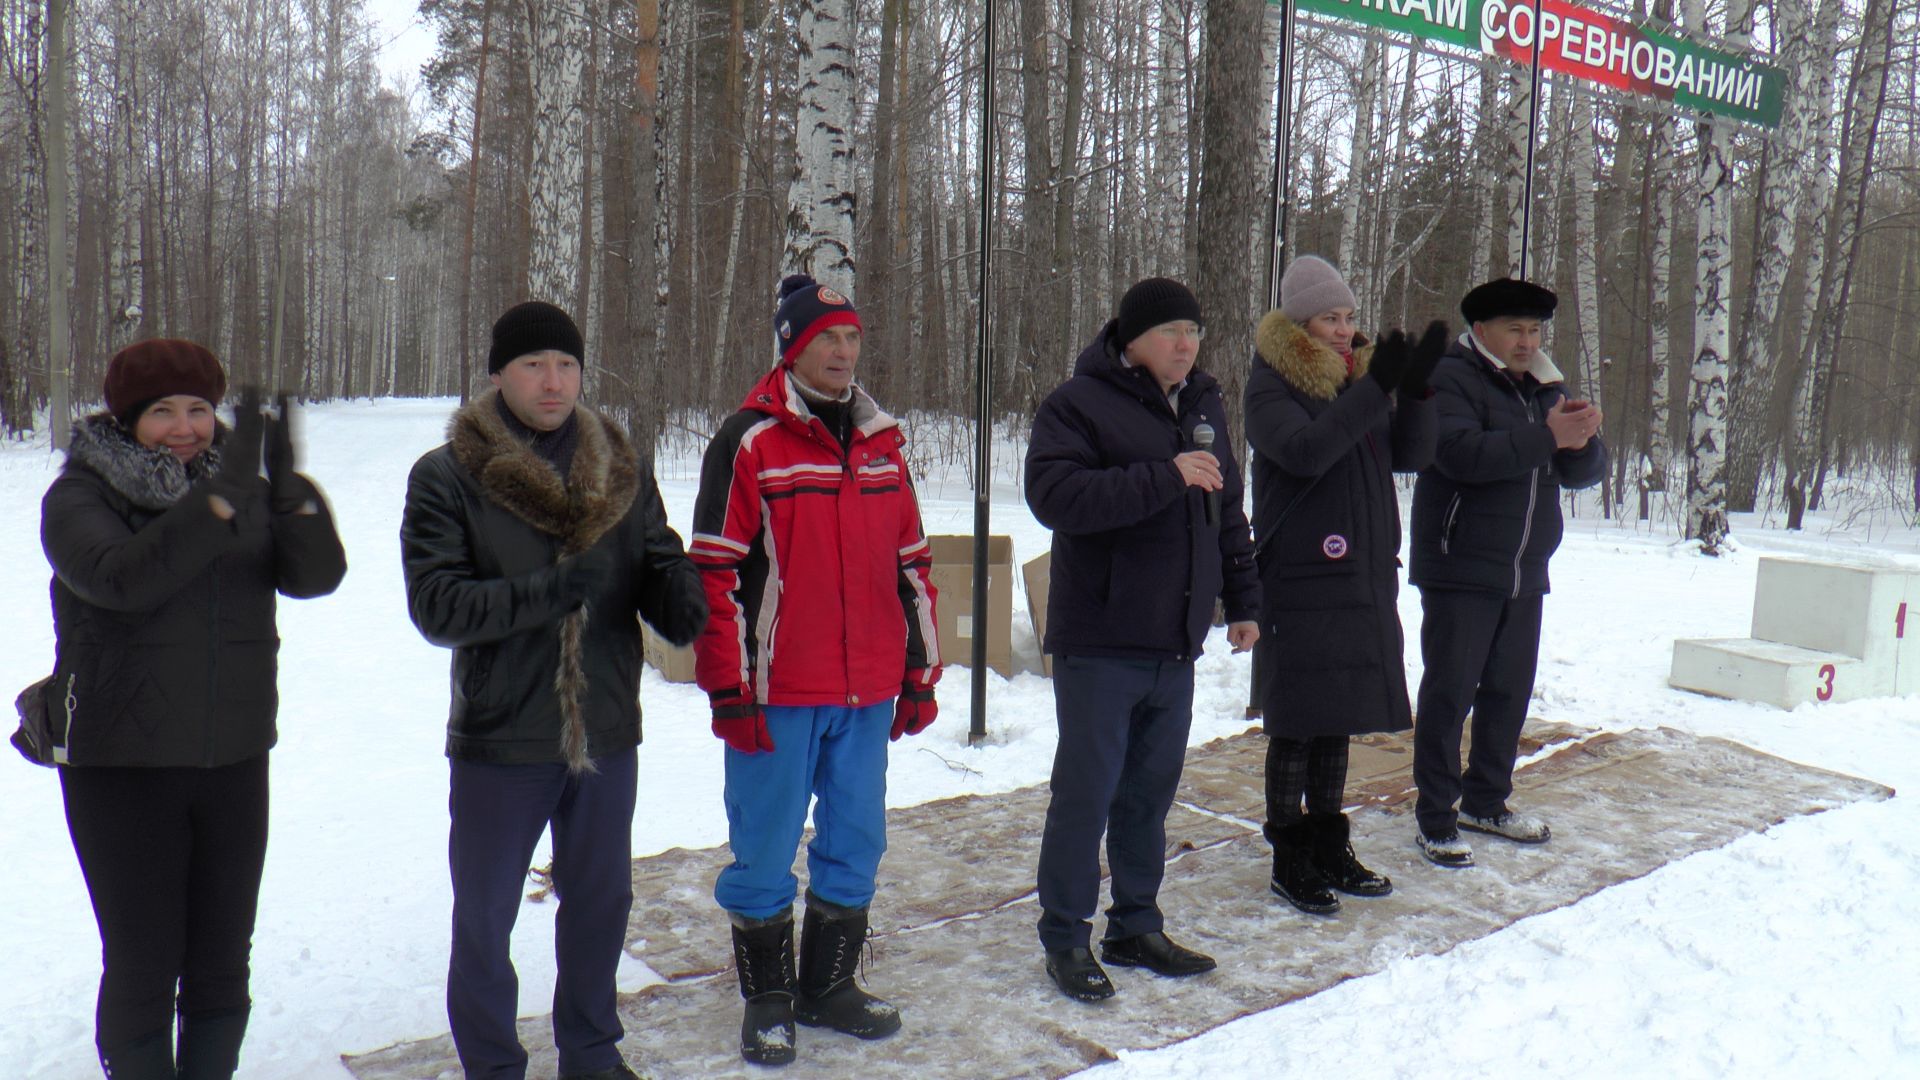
(532, 327)
(1508, 298)
(806, 308)
(1150, 303)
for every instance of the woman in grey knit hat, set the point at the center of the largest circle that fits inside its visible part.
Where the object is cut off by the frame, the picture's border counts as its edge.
(1330, 418)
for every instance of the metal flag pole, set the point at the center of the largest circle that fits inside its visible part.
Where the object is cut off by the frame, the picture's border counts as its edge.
(1282, 155)
(983, 393)
(1533, 123)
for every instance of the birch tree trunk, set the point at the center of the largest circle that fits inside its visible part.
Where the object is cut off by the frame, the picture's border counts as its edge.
(1486, 175)
(556, 195)
(1866, 99)
(59, 259)
(1656, 468)
(1806, 51)
(1519, 96)
(1707, 398)
(128, 286)
(821, 202)
(1229, 192)
(1586, 248)
(1360, 171)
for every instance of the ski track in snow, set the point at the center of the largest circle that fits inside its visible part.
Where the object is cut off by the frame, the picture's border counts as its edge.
(1789, 953)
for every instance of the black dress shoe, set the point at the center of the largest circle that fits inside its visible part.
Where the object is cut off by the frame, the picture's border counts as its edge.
(1157, 953)
(1078, 974)
(614, 1072)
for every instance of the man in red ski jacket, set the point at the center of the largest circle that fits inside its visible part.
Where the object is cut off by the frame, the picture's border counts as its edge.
(820, 646)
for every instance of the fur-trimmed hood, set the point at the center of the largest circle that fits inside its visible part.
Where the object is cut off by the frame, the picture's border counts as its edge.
(596, 494)
(1303, 360)
(149, 477)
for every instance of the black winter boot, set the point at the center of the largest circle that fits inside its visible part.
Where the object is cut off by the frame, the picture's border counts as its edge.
(210, 1043)
(1295, 878)
(1333, 857)
(830, 945)
(763, 957)
(146, 1058)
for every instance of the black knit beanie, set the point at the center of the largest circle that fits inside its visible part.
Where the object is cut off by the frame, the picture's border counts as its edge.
(1150, 303)
(532, 327)
(806, 308)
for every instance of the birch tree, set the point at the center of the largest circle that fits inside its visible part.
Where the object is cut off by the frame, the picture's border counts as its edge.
(820, 201)
(556, 195)
(1707, 399)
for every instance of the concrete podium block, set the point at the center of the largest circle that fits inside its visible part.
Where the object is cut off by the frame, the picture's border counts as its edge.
(1767, 671)
(1822, 631)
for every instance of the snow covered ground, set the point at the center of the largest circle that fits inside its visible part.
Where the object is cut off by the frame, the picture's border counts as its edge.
(1791, 953)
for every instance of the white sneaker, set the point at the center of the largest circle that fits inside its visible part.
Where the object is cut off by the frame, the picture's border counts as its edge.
(1449, 851)
(1519, 828)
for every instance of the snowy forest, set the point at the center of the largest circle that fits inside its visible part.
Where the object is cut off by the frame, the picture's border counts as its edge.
(1744, 301)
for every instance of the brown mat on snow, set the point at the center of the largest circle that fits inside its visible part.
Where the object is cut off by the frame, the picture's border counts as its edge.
(977, 1003)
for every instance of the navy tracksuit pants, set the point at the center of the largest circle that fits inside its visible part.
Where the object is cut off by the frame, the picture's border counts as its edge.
(1123, 741)
(1480, 650)
(499, 812)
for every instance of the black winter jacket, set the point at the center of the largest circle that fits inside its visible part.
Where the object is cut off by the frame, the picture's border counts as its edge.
(1326, 520)
(485, 526)
(163, 614)
(1136, 567)
(1487, 514)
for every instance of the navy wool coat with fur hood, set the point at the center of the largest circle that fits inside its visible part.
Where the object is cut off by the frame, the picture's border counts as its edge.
(1326, 522)
(163, 614)
(1136, 568)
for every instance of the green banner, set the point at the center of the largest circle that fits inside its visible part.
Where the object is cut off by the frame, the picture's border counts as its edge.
(1587, 45)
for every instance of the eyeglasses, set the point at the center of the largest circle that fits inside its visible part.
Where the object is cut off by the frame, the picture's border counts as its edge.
(1176, 331)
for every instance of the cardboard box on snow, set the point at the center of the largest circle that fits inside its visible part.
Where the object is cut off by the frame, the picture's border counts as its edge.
(1037, 572)
(673, 664)
(953, 577)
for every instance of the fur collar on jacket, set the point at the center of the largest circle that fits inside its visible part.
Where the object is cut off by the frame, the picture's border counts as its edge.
(148, 477)
(597, 493)
(1310, 365)
(599, 488)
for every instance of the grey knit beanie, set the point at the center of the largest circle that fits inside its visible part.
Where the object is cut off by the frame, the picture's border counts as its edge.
(1310, 286)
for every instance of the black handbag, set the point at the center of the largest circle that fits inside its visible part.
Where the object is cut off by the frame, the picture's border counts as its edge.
(34, 739)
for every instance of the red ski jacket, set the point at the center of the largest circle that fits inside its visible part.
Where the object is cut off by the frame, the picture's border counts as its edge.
(815, 565)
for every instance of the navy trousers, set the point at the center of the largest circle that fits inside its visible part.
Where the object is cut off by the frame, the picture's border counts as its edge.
(1123, 742)
(499, 812)
(1480, 650)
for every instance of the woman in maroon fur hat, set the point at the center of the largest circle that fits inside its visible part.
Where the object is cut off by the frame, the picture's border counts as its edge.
(167, 548)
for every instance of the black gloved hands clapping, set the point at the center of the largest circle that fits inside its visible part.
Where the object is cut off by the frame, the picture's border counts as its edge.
(233, 487)
(1391, 356)
(287, 490)
(1426, 356)
(1400, 363)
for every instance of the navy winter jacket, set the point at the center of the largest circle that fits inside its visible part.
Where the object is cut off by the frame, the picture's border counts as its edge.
(1486, 515)
(1136, 567)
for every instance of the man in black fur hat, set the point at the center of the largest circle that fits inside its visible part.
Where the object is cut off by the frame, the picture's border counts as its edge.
(531, 540)
(1486, 518)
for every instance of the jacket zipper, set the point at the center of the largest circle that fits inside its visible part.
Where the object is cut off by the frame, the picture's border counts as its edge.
(63, 750)
(1533, 498)
(213, 668)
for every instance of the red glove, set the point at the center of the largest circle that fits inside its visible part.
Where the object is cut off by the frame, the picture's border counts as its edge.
(738, 721)
(913, 711)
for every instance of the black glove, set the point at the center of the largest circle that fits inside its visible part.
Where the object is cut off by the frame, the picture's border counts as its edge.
(1390, 359)
(1426, 357)
(288, 491)
(585, 575)
(240, 452)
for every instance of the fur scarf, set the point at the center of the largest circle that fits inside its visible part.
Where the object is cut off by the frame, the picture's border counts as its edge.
(149, 477)
(598, 492)
(1303, 360)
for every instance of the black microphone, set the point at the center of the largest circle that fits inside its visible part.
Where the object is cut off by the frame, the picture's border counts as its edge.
(1203, 440)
